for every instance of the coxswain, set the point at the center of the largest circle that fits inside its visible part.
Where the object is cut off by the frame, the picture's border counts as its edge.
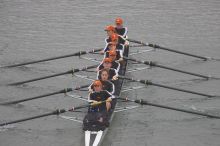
(120, 30)
(107, 64)
(106, 84)
(100, 95)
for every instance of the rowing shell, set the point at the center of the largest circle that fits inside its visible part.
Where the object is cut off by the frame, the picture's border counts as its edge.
(95, 136)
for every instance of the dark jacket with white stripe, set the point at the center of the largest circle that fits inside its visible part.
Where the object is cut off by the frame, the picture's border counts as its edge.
(106, 85)
(115, 65)
(122, 31)
(112, 72)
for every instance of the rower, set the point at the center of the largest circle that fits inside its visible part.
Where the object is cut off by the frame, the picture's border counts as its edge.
(108, 64)
(115, 55)
(100, 95)
(97, 116)
(114, 41)
(106, 84)
(122, 31)
(115, 64)
(110, 29)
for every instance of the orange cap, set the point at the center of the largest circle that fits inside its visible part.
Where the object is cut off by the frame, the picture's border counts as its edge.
(110, 28)
(112, 53)
(107, 60)
(97, 83)
(114, 37)
(118, 21)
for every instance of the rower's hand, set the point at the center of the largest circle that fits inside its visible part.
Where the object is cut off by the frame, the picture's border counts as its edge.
(115, 77)
(109, 100)
(126, 43)
(94, 103)
(102, 52)
(120, 59)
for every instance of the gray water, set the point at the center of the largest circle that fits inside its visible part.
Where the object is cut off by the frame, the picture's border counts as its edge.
(37, 29)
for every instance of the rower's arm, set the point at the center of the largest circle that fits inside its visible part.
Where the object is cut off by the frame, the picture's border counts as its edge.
(118, 67)
(105, 55)
(106, 45)
(98, 75)
(110, 87)
(106, 40)
(109, 99)
(113, 88)
(122, 49)
(109, 95)
(92, 101)
(116, 73)
(90, 89)
(89, 98)
(125, 33)
(126, 43)
(121, 52)
(98, 68)
(115, 77)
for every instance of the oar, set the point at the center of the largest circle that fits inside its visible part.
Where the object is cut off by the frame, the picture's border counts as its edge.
(56, 112)
(171, 50)
(144, 102)
(54, 58)
(147, 82)
(54, 75)
(44, 95)
(59, 57)
(150, 63)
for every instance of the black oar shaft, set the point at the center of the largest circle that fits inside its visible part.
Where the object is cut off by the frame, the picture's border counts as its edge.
(41, 78)
(168, 68)
(31, 98)
(56, 112)
(53, 58)
(60, 57)
(147, 82)
(168, 49)
(179, 52)
(54, 75)
(44, 95)
(177, 109)
(173, 88)
(44, 60)
(182, 71)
